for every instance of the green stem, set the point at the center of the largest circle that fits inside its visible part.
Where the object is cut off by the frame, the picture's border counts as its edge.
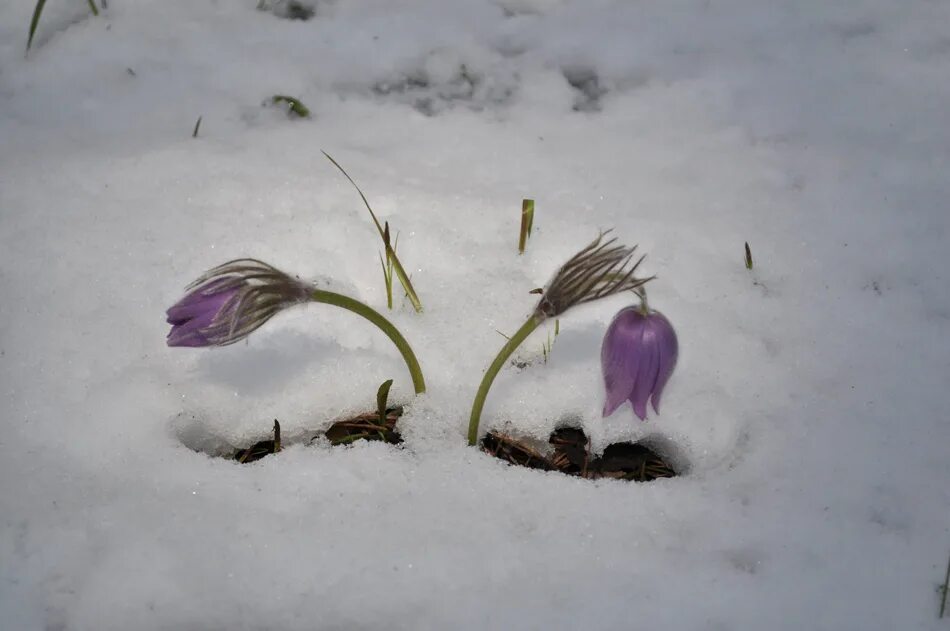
(357, 307)
(503, 355)
(644, 306)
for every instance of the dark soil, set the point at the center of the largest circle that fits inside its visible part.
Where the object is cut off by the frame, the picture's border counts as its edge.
(568, 451)
(361, 427)
(366, 427)
(260, 449)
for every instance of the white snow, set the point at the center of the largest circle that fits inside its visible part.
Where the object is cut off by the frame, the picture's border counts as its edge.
(809, 406)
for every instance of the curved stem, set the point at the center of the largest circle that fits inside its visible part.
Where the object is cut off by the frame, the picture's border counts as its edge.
(357, 307)
(492, 371)
(644, 306)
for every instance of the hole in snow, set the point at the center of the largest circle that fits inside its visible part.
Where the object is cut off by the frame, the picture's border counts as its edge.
(288, 9)
(568, 451)
(198, 436)
(444, 80)
(587, 83)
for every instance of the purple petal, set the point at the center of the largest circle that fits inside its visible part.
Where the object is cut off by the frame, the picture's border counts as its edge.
(203, 303)
(646, 373)
(668, 348)
(188, 334)
(620, 357)
(196, 311)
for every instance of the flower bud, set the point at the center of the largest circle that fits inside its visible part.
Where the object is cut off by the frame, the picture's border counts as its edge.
(230, 302)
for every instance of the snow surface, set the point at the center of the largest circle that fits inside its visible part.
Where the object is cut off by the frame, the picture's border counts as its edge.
(809, 407)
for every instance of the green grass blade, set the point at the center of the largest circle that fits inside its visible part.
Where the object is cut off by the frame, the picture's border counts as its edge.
(388, 280)
(382, 397)
(37, 12)
(748, 256)
(527, 221)
(945, 589)
(194, 134)
(296, 106)
(390, 253)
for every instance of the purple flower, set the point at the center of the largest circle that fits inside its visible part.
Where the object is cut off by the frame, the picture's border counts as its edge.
(194, 314)
(231, 301)
(637, 357)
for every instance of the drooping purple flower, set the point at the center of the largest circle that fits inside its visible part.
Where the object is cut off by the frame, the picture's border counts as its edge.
(231, 301)
(637, 358)
(195, 313)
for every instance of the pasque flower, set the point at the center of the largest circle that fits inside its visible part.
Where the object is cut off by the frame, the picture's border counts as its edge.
(637, 357)
(599, 270)
(231, 301)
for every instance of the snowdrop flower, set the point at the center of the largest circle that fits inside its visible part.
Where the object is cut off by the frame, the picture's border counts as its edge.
(599, 270)
(637, 358)
(231, 301)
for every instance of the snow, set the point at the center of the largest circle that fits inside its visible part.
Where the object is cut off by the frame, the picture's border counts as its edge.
(808, 408)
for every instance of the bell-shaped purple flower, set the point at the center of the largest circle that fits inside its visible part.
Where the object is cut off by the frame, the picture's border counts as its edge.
(231, 301)
(637, 357)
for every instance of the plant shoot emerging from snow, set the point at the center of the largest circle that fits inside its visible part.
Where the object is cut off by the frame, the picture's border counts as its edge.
(392, 261)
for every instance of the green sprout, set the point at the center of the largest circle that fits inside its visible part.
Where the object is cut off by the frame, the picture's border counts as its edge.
(548, 346)
(38, 11)
(527, 221)
(945, 588)
(295, 106)
(391, 257)
(382, 397)
(387, 266)
(748, 256)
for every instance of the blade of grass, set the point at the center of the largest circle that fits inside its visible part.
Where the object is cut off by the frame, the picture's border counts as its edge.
(37, 12)
(390, 253)
(748, 256)
(382, 397)
(527, 221)
(388, 269)
(296, 106)
(548, 348)
(276, 436)
(194, 134)
(388, 281)
(945, 588)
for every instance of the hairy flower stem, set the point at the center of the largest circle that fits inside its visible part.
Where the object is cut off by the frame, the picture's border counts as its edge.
(514, 342)
(357, 307)
(644, 305)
